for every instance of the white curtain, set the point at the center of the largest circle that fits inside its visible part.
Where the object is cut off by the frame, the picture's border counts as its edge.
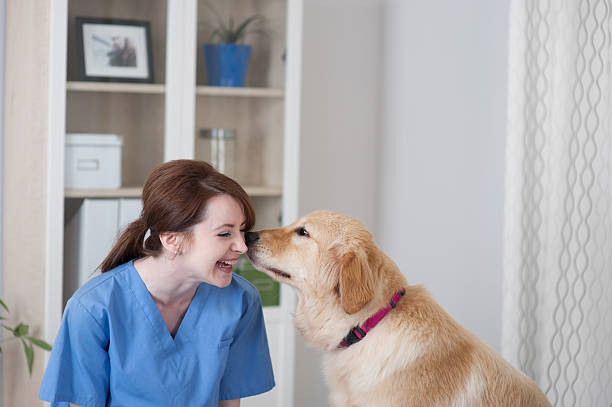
(558, 227)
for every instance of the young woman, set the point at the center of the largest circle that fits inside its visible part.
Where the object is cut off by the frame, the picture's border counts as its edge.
(167, 323)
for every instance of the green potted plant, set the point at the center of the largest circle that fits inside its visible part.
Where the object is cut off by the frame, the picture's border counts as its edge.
(226, 56)
(21, 332)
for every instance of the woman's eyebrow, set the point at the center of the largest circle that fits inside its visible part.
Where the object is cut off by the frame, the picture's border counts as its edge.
(229, 225)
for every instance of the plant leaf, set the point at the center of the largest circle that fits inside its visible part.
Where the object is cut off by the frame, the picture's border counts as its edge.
(21, 330)
(29, 355)
(39, 342)
(4, 305)
(216, 33)
(240, 31)
(228, 33)
(8, 328)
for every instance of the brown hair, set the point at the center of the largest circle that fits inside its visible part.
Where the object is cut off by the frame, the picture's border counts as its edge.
(174, 198)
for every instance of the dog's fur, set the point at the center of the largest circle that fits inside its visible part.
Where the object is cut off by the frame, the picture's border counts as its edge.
(416, 356)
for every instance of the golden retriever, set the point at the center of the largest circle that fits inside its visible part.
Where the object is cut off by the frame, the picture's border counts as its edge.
(416, 355)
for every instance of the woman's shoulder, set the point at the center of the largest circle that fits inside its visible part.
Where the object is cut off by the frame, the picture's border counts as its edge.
(100, 289)
(243, 296)
(245, 287)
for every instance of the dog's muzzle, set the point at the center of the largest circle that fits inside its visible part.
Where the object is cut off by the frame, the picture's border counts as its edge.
(250, 238)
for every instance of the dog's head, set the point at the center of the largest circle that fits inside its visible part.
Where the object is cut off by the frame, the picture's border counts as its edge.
(323, 254)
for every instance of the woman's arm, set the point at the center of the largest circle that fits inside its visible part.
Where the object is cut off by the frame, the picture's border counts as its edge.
(74, 405)
(229, 403)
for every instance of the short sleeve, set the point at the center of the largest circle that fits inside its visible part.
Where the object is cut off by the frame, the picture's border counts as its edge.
(249, 369)
(78, 368)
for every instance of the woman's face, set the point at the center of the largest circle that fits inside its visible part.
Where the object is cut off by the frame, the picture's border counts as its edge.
(216, 242)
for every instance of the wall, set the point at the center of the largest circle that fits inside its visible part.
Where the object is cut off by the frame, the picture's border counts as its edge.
(2, 63)
(340, 94)
(403, 127)
(24, 186)
(338, 133)
(443, 115)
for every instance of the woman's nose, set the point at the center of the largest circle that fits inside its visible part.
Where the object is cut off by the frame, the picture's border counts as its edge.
(239, 245)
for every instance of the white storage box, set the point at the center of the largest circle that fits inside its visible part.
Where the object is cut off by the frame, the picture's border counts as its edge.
(92, 228)
(93, 161)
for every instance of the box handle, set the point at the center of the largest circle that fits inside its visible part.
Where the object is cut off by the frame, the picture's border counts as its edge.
(91, 164)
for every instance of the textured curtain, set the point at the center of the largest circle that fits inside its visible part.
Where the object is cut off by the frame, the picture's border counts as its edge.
(558, 215)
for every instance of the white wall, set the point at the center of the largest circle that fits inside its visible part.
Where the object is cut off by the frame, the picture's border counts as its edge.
(440, 206)
(340, 100)
(338, 146)
(403, 127)
(2, 62)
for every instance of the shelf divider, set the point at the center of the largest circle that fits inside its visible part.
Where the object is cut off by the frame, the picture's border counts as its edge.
(239, 91)
(116, 87)
(136, 192)
(160, 88)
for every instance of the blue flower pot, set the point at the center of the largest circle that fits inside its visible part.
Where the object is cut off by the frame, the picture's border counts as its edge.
(227, 64)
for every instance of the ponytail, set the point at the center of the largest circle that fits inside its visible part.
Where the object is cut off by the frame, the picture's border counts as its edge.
(128, 247)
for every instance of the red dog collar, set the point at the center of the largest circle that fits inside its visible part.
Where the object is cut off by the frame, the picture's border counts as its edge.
(358, 333)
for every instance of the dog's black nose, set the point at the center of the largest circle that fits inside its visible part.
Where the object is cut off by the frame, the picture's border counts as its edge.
(251, 237)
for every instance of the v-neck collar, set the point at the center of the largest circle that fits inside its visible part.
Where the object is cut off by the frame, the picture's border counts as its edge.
(144, 298)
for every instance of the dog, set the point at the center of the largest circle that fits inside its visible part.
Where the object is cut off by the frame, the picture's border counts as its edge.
(386, 343)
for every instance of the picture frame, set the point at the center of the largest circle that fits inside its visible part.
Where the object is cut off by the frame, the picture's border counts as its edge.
(114, 50)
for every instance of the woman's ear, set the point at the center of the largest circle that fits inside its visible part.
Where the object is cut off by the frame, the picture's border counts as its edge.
(172, 242)
(356, 283)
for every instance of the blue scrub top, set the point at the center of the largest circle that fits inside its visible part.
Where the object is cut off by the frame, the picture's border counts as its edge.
(114, 349)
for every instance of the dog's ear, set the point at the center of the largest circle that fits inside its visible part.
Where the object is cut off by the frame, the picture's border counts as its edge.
(356, 284)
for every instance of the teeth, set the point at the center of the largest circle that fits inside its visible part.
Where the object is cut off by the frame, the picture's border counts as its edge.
(227, 262)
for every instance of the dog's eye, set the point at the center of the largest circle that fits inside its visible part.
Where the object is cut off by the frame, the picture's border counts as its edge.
(302, 232)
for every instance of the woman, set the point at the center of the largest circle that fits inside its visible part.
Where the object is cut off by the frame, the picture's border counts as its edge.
(167, 323)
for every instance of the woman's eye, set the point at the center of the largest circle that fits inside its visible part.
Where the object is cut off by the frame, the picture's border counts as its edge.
(226, 234)
(302, 232)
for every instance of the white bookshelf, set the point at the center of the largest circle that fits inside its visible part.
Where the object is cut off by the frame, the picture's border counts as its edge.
(160, 121)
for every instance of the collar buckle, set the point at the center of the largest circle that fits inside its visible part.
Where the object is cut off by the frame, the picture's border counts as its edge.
(357, 333)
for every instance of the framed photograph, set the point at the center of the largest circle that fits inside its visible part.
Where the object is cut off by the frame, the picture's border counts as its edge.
(114, 50)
